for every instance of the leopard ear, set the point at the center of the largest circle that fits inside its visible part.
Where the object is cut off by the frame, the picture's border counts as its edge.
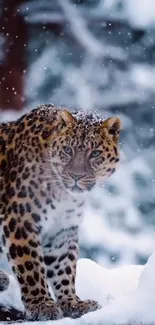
(113, 126)
(66, 117)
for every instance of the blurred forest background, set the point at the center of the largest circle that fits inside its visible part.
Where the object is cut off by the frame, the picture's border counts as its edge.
(92, 54)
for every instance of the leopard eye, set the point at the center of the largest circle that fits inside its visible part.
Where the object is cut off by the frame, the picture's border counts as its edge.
(95, 153)
(68, 150)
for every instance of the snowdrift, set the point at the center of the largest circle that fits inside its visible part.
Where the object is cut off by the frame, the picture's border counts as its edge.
(127, 294)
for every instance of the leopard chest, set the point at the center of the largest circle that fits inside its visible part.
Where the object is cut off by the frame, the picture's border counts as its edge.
(59, 215)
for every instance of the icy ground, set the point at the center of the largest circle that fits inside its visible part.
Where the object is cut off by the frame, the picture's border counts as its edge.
(126, 294)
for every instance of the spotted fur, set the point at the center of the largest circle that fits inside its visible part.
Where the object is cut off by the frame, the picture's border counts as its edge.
(49, 161)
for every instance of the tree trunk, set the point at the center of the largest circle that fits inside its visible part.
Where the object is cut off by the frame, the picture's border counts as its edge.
(13, 63)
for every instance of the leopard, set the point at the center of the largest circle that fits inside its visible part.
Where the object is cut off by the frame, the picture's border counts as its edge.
(51, 159)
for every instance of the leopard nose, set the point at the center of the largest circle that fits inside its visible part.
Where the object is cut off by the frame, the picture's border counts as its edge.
(76, 177)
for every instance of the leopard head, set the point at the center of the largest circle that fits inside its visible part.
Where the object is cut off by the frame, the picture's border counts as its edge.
(84, 153)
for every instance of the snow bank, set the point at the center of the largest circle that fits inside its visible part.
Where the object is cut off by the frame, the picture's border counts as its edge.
(126, 294)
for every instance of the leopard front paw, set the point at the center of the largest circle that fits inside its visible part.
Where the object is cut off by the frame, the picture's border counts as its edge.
(76, 308)
(46, 310)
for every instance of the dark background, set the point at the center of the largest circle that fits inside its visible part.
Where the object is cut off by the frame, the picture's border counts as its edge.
(92, 54)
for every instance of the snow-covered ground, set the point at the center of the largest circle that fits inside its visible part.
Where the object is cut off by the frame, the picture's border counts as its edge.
(126, 294)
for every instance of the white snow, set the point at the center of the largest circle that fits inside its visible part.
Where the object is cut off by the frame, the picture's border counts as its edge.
(125, 293)
(141, 15)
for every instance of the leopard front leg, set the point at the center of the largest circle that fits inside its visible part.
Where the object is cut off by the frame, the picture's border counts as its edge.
(60, 257)
(21, 237)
